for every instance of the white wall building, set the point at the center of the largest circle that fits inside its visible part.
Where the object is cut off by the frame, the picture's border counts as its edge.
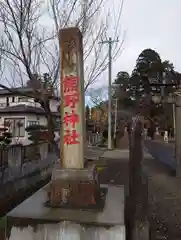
(22, 111)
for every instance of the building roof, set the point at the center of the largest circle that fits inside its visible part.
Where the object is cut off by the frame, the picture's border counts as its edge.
(22, 90)
(22, 108)
(14, 90)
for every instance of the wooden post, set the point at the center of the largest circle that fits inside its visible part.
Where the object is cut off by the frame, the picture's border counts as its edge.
(137, 215)
(178, 134)
(72, 96)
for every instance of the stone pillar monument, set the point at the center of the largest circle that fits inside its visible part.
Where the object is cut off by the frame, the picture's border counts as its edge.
(74, 195)
(71, 182)
(72, 96)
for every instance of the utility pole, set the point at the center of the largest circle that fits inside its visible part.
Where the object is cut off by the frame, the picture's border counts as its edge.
(174, 120)
(116, 116)
(109, 42)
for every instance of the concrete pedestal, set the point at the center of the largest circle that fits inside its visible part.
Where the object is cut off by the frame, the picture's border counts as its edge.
(74, 188)
(35, 214)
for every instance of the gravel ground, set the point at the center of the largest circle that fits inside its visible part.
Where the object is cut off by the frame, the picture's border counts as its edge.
(164, 191)
(164, 196)
(164, 202)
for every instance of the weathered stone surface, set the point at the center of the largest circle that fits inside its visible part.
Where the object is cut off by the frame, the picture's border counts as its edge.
(72, 95)
(66, 231)
(33, 209)
(77, 187)
(78, 194)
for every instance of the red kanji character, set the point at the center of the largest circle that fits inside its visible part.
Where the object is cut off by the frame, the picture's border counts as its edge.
(72, 118)
(71, 99)
(70, 84)
(71, 137)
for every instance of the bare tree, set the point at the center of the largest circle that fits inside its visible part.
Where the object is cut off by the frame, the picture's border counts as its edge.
(99, 99)
(23, 56)
(98, 96)
(29, 48)
(94, 20)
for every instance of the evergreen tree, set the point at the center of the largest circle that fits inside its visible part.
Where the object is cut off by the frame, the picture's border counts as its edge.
(37, 133)
(87, 112)
(5, 137)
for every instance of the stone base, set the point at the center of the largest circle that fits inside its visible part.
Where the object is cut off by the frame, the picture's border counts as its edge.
(33, 211)
(66, 231)
(78, 195)
(74, 188)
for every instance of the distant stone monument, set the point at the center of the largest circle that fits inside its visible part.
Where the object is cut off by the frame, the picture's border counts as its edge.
(165, 138)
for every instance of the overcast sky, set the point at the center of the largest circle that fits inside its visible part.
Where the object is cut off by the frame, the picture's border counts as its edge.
(150, 24)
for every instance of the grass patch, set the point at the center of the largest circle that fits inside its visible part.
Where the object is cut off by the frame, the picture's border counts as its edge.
(3, 222)
(100, 169)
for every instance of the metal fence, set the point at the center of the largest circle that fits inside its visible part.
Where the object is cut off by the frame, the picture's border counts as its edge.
(94, 138)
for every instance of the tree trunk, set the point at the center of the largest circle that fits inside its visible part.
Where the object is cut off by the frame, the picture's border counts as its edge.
(50, 125)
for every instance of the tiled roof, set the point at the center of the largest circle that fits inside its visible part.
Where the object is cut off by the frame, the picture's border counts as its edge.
(14, 91)
(22, 108)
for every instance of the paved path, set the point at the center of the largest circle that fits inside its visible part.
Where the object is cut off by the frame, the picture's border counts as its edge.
(116, 166)
(164, 152)
(93, 153)
(123, 142)
(164, 191)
